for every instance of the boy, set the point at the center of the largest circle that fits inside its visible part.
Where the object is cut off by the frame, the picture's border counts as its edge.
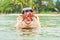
(28, 20)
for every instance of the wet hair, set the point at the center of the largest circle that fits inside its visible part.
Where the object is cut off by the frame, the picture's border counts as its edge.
(26, 10)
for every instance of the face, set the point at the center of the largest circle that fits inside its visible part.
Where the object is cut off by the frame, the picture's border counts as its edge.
(28, 12)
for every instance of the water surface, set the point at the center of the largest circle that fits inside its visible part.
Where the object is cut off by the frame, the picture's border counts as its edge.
(50, 29)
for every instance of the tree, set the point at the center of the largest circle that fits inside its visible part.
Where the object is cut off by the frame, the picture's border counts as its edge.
(58, 4)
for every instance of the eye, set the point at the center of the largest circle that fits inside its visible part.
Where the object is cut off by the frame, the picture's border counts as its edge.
(30, 10)
(27, 10)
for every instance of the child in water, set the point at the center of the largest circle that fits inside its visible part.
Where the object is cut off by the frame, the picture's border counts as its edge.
(28, 20)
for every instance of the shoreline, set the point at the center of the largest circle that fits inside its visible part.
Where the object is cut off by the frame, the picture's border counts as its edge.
(35, 14)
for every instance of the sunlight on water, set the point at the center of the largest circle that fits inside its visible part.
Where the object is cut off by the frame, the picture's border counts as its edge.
(50, 29)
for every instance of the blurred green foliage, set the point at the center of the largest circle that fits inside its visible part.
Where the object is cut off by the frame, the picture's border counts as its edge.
(15, 6)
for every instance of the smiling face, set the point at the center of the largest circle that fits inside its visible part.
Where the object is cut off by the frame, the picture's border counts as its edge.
(28, 14)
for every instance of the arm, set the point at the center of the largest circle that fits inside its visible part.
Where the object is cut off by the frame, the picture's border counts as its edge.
(19, 21)
(37, 21)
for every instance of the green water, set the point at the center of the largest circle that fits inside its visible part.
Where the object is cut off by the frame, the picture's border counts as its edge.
(50, 29)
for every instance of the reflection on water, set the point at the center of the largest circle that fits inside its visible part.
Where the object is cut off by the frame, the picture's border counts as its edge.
(50, 29)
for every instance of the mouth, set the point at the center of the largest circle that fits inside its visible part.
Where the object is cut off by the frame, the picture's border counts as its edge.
(28, 22)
